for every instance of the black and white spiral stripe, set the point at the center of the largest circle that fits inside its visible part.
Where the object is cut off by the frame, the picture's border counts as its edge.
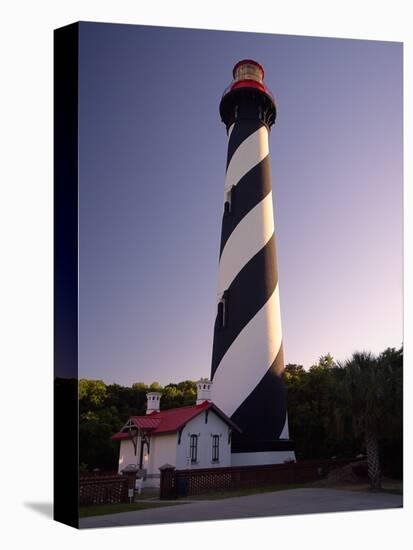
(247, 360)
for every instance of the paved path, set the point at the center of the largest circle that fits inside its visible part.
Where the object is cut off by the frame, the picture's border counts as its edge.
(280, 503)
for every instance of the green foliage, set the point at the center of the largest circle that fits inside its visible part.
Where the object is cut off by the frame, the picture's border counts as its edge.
(327, 361)
(313, 422)
(140, 386)
(328, 404)
(92, 392)
(372, 391)
(392, 434)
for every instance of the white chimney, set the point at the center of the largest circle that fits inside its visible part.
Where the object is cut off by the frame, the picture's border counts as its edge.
(203, 390)
(153, 399)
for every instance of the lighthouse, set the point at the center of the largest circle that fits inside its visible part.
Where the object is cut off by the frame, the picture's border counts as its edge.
(247, 356)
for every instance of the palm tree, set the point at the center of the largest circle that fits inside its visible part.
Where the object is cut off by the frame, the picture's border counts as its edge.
(365, 384)
(392, 361)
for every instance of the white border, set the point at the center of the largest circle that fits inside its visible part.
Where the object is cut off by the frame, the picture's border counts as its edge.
(26, 263)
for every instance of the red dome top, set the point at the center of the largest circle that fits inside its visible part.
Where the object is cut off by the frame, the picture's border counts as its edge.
(247, 96)
(248, 73)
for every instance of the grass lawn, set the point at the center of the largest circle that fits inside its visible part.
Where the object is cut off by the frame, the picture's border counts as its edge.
(388, 491)
(147, 494)
(104, 509)
(367, 488)
(214, 495)
(390, 486)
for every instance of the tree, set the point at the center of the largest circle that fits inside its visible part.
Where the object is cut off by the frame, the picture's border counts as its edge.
(364, 389)
(309, 411)
(391, 442)
(293, 372)
(92, 393)
(140, 386)
(327, 361)
(324, 362)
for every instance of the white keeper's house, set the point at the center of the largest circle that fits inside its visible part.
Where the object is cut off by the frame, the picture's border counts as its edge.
(197, 436)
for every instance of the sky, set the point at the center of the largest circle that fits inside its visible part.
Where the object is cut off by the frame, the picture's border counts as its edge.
(152, 153)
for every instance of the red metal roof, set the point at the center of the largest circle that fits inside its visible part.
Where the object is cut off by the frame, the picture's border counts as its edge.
(171, 420)
(148, 422)
(120, 435)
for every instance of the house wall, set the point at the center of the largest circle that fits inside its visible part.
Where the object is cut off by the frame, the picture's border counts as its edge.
(205, 431)
(162, 451)
(127, 454)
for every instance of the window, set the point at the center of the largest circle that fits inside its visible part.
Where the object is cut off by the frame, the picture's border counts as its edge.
(228, 201)
(193, 448)
(222, 315)
(215, 448)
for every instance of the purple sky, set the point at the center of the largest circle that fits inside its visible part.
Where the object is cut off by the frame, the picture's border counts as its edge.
(152, 164)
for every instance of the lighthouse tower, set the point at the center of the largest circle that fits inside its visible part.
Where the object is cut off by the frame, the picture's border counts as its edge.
(247, 357)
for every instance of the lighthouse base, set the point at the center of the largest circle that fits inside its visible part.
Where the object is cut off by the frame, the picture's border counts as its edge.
(264, 457)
